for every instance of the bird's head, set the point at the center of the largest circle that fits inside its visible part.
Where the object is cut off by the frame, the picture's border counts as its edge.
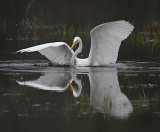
(76, 41)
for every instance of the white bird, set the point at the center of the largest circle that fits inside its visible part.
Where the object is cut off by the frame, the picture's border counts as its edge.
(105, 42)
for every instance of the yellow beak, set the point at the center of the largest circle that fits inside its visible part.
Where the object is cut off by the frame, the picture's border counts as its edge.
(72, 87)
(74, 43)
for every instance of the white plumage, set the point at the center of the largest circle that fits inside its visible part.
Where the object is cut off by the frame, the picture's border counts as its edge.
(57, 53)
(105, 42)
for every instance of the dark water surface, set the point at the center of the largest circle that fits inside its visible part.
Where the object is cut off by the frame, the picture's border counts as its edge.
(123, 97)
(35, 97)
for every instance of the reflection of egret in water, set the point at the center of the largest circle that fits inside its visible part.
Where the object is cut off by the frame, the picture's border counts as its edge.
(56, 79)
(105, 93)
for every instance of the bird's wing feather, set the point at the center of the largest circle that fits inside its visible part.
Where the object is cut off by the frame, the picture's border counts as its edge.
(57, 53)
(106, 40)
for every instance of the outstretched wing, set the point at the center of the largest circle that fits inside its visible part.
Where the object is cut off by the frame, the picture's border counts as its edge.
(57, 53)
(106, 40)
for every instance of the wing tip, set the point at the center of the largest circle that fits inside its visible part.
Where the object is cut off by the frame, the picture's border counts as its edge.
(23, 51)
(128, 23)
(19, 51)
(119, 21)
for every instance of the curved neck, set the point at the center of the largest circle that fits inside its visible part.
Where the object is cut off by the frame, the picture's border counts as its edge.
(77, 52)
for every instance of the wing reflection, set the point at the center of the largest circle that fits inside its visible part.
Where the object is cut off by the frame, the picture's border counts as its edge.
(105, 93)
(55, 79)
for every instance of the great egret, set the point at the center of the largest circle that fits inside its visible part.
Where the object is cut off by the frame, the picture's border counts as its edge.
(105, 42)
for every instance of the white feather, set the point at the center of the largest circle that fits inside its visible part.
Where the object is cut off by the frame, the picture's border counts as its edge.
(106, 40)
(57, 53)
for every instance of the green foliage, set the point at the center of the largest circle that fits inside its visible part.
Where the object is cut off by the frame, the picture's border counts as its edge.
(149, 39)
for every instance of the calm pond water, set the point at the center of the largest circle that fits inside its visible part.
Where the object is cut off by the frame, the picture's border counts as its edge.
(35, 97)
(122, 97)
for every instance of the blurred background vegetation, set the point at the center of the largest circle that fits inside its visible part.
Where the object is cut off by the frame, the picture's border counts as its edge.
(25, 23)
